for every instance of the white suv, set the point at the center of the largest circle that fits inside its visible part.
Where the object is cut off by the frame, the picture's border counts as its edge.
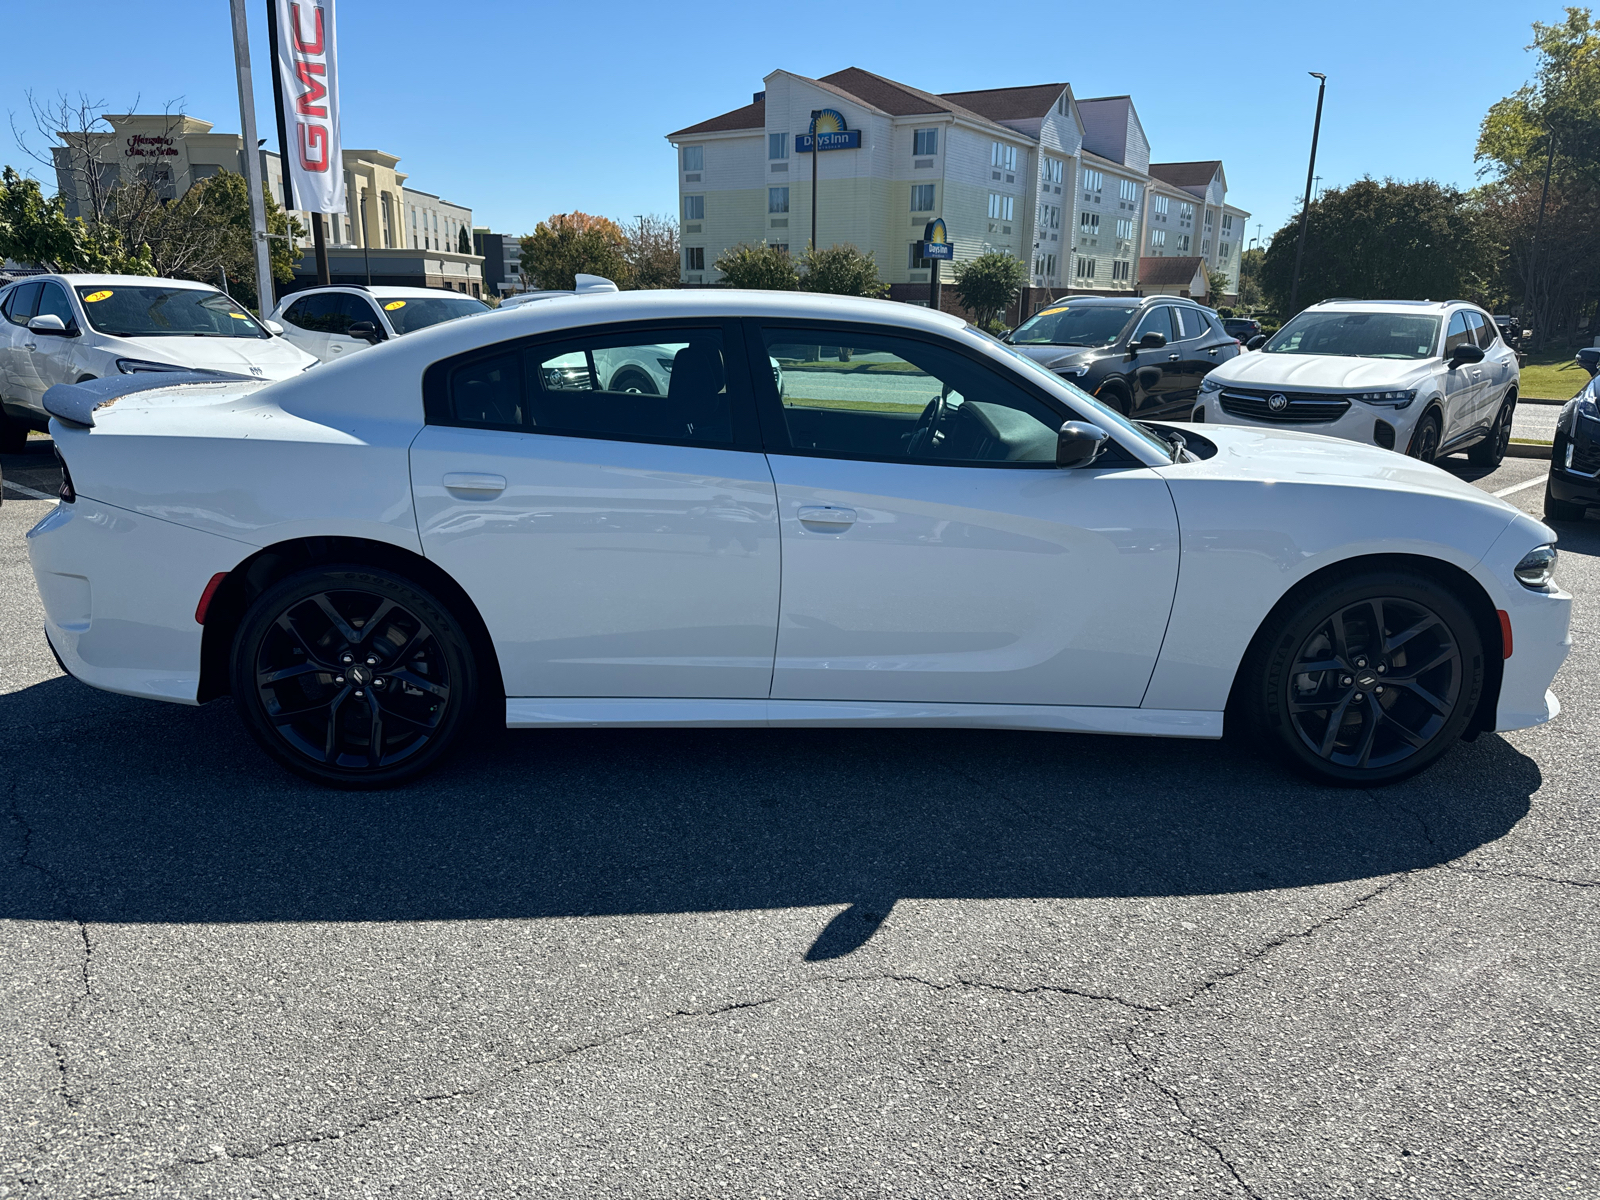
(68, 328)
(336, 322)
(1424, 377)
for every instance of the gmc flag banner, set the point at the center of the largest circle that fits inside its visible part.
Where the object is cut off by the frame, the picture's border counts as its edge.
(308, 70)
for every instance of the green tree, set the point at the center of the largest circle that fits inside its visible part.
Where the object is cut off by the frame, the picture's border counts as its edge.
(760, 266)
(1562, 103)
(650, 245)
(841, 270)
(221, 212)
(1389, 240)
(987, 285)
(1250, 278)
(463, 241)
(570, 244)
(37, 230)
(1218, 285)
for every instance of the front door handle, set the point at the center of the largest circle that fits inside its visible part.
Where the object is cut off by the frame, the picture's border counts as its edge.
(30, 345)
(1174, 357)
(826, 514)
(474, 481)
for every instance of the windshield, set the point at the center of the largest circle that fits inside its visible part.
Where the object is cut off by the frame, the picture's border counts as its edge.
(1074, 325)
(1357, 335)
(156, 311)
(1108, 419)
(410, 315)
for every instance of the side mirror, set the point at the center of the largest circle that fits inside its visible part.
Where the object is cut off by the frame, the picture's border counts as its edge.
(1152, 341)
(1256, 342)
(273, 328)
(366, 331)
(50, 325)
(1589, 360)
(1079, 443)
(1467, 353)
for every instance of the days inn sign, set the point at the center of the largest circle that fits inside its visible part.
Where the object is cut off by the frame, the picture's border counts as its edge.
(829, 131)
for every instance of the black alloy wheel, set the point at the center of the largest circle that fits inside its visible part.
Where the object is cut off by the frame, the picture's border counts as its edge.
(1491, 452)
(353, 676)
(1115, 397)
(1371, 679)
(1425, 441)
(634, 382)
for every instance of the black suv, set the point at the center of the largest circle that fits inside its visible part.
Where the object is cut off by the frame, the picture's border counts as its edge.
(1144, 356)
(1243, 328)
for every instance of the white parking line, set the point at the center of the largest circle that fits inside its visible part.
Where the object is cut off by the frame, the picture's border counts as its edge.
(29, 492)
(1517, 487)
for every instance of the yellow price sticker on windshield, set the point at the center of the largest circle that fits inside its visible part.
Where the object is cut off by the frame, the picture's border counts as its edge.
(96, 297)
(394, 304)
(239, 316)
(1045, 312)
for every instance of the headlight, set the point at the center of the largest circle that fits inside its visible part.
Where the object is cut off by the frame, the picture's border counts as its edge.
(137, 366)
(1537, 569)
(1209, 385)
(1586, 403)
(1077, 372)
(1389, 399)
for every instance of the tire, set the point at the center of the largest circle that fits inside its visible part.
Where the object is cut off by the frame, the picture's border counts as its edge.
(1491, 452)
(1561, 510)
(1115, 396)
(297, 670)
(631, 379)
(1424, 445)
(1419, 682)
(13, 435)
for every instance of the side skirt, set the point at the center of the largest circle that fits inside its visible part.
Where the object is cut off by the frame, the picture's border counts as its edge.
(533, 713)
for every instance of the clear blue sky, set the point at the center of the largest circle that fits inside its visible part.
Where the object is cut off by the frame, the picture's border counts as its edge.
(520, 110)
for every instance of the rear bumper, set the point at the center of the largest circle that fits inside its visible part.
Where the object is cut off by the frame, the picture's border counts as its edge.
(119, 592)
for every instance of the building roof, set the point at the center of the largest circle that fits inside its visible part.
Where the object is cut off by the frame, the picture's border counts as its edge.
(901, 99)
(1187, 174)
(1167, 272)
(751, 116)
(1110, 164)
(1012, 103)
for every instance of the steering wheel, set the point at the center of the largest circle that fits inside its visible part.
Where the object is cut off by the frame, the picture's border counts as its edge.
(925, 435)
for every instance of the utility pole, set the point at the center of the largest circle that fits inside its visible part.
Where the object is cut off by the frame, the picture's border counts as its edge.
(1305, 209)
(816, 114)
(252, 158)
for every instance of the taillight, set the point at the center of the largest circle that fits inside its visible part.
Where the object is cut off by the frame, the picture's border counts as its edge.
(68, 493)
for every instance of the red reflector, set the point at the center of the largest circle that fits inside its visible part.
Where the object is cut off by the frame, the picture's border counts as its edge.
(211, 591)
(1505, 632)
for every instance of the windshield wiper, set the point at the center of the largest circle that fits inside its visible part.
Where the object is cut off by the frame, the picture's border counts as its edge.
(1172, 438)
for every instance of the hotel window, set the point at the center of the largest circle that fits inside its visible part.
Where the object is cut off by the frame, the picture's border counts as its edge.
(1052, 170)
(1183, 243)
(1121, 269)
(1085, 268)
(1125, 228)
(1205, 247)
(383, 212)
(914, 259)
(1227, 222)
(694, 208)
(1209, 215)
(781, 247)
(1129, 190)
(1050, 264)
(1061, 104)
(1158, 239)
(694, 258)
(414, 228)
(1185, 212)
(694, 158)
(1088, 224)
(777, 145)
(1001, 207)
(1003, 156)
(1093, 181)
(778, 200)
(1052, 216)
(925, 141)
(1159, 206)
(922, 197)
(1224, 250)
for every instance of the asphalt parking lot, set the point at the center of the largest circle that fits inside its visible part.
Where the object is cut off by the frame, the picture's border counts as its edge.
(796, 963)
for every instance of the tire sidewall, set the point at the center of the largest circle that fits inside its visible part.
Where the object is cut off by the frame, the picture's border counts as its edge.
(1289, 629)
(452, 639)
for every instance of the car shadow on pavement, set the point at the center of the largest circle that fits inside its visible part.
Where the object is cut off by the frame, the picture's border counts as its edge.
(130, 811)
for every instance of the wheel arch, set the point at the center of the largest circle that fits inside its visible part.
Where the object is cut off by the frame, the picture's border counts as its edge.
(267, 566)
(1433, 408)
(1469, 590)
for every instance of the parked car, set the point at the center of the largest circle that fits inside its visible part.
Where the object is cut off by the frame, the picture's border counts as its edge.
(1574, 484)
(332, 322)
(1241, 328)
(584, 285)
(1424, 377)
(1143, 357)
(432, 535)
(67, 328)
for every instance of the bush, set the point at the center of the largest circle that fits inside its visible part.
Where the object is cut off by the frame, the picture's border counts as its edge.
(842, 271)
(762, 266)
(987, 285)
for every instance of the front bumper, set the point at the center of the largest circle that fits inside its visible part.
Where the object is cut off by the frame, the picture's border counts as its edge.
(1541, 636)
(1575, 458)
(1371, 425)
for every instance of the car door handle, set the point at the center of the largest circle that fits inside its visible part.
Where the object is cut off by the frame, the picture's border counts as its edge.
(30, 345)
(1213, 349)
(1174, 357)
(474, 481)
(826, 514)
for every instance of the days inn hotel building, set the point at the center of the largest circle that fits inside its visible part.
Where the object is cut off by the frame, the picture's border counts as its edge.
(1064, 184)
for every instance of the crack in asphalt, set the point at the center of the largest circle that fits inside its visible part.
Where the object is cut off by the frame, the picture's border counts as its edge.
(1528, 876)
(1010, 989)
(1191, 1125)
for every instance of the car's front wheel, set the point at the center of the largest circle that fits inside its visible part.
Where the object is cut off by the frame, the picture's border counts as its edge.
(1425, 441)
(1368, 679)
(353, 676)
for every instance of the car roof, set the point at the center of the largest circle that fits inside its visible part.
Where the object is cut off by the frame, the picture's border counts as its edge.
(1347, 305)
(1115, 301)
(383, 290)
(84, 280)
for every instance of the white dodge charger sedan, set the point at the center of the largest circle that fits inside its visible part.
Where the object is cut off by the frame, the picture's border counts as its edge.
(921, 527)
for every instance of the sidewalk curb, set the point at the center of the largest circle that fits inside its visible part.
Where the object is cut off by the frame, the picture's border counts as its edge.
(1528, 450)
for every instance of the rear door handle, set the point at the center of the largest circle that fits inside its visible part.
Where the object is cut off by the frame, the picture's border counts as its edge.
(474, 481)
(826, 514)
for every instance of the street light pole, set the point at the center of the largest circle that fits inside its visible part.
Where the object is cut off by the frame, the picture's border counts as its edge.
(251, 157)
(1305, 208)
(1538, 234)
(815, 114)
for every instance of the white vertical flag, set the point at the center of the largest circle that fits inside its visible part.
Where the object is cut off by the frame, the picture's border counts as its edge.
(308, 69)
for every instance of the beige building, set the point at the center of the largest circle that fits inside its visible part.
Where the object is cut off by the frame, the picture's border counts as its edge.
(369, 241)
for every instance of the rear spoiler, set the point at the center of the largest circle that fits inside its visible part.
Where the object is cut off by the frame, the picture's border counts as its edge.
(75, 403)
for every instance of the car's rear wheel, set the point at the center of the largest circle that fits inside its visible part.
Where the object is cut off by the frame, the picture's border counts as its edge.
(1491, 452)
(1425, 441)
(353, 676)
(631, 379)
(1116, 397)
(1368, 679)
